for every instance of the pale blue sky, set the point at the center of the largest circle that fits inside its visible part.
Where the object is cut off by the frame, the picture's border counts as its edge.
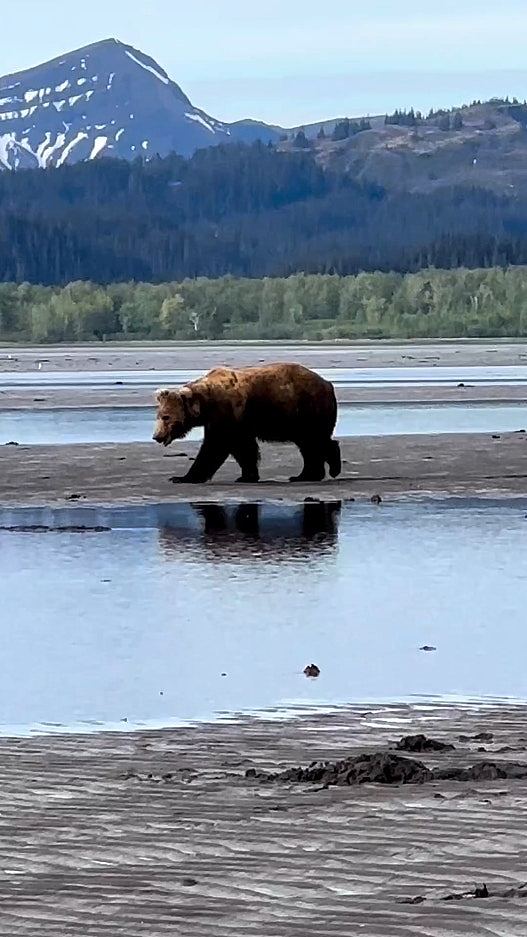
(295, 61)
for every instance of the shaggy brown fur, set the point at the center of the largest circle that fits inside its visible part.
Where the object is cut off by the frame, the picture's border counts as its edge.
(272, 403)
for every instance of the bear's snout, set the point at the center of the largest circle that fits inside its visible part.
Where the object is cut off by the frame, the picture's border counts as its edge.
(161, 436)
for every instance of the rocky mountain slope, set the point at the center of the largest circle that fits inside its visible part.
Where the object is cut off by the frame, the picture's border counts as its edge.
(482, 145)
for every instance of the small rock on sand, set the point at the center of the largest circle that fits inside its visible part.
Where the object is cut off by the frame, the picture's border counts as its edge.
(312, 670)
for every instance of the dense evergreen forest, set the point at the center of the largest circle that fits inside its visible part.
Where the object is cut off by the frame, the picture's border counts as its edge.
(443, 303)
(245, 211)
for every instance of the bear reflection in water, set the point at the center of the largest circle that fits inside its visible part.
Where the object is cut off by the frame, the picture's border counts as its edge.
(245, 531)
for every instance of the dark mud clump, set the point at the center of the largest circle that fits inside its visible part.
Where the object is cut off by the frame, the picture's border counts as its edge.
(377, 768)
(484, 771)
(477, 893)
(388, 768)
(480, 737)
(420, 743)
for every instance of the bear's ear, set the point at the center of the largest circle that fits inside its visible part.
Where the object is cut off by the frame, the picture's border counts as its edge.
(162, 394)
(191, 401)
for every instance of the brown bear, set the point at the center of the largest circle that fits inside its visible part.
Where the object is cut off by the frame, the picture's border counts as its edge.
(238, 407)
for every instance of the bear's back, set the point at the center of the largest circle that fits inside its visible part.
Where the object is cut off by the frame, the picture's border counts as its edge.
(281, 401)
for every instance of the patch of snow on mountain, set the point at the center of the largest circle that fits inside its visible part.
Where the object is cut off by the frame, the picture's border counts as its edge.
(47, 153)
(6, 101)
(76, 97)
(119, 133)
(59, 105)
(144, 144)
(110, 81)
(7, 143)
(70, 146)
(81, 81)
(30, 96)
(98, 146)
(43, 145)
(148, 68)
(200, 120)
(62, 87)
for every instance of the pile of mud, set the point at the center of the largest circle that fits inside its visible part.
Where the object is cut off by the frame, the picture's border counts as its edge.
(390, 768)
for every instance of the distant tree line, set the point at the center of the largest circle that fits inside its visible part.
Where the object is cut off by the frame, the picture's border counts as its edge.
(444, 120)
(404, 118)
(346, 128)
(428, 304)
(343, 130)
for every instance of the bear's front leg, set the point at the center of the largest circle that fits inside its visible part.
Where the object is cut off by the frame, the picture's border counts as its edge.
(209, 459)
(247, 454)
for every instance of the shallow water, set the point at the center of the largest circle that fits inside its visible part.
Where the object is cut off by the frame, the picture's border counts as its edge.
(136, 424)
(140, 622)
(343, 377)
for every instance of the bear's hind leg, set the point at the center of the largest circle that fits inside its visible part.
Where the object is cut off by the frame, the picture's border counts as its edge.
(314, 469)
(247, 454)
(333, 458)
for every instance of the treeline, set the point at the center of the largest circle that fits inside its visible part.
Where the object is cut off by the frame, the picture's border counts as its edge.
(246, 211)
(432, 303)
(443, 119)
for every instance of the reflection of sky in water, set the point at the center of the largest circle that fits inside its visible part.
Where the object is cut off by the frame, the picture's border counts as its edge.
(183, 606)
(357, 377)
(136, 425)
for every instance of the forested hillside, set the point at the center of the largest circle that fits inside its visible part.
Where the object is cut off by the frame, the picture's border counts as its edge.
(247, 211)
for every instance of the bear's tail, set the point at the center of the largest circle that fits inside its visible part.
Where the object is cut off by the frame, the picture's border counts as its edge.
(333, 458)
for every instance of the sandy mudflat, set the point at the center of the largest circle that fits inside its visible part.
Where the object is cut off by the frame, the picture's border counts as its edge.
(389, 465)
(163, 357)
(93, 846)
(60, 398)
(143, 357)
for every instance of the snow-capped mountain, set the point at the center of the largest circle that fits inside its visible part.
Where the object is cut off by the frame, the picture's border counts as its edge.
(107, 99)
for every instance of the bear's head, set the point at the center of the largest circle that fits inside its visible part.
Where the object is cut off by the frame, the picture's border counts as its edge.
(178, 411)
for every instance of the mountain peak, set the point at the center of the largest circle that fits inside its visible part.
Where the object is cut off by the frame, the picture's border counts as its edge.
(104, 99)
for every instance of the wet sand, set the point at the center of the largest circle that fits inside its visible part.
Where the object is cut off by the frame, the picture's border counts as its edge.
(92, 845)
(162, 356)
(97, 840)
(72, 398)
(391, 466)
